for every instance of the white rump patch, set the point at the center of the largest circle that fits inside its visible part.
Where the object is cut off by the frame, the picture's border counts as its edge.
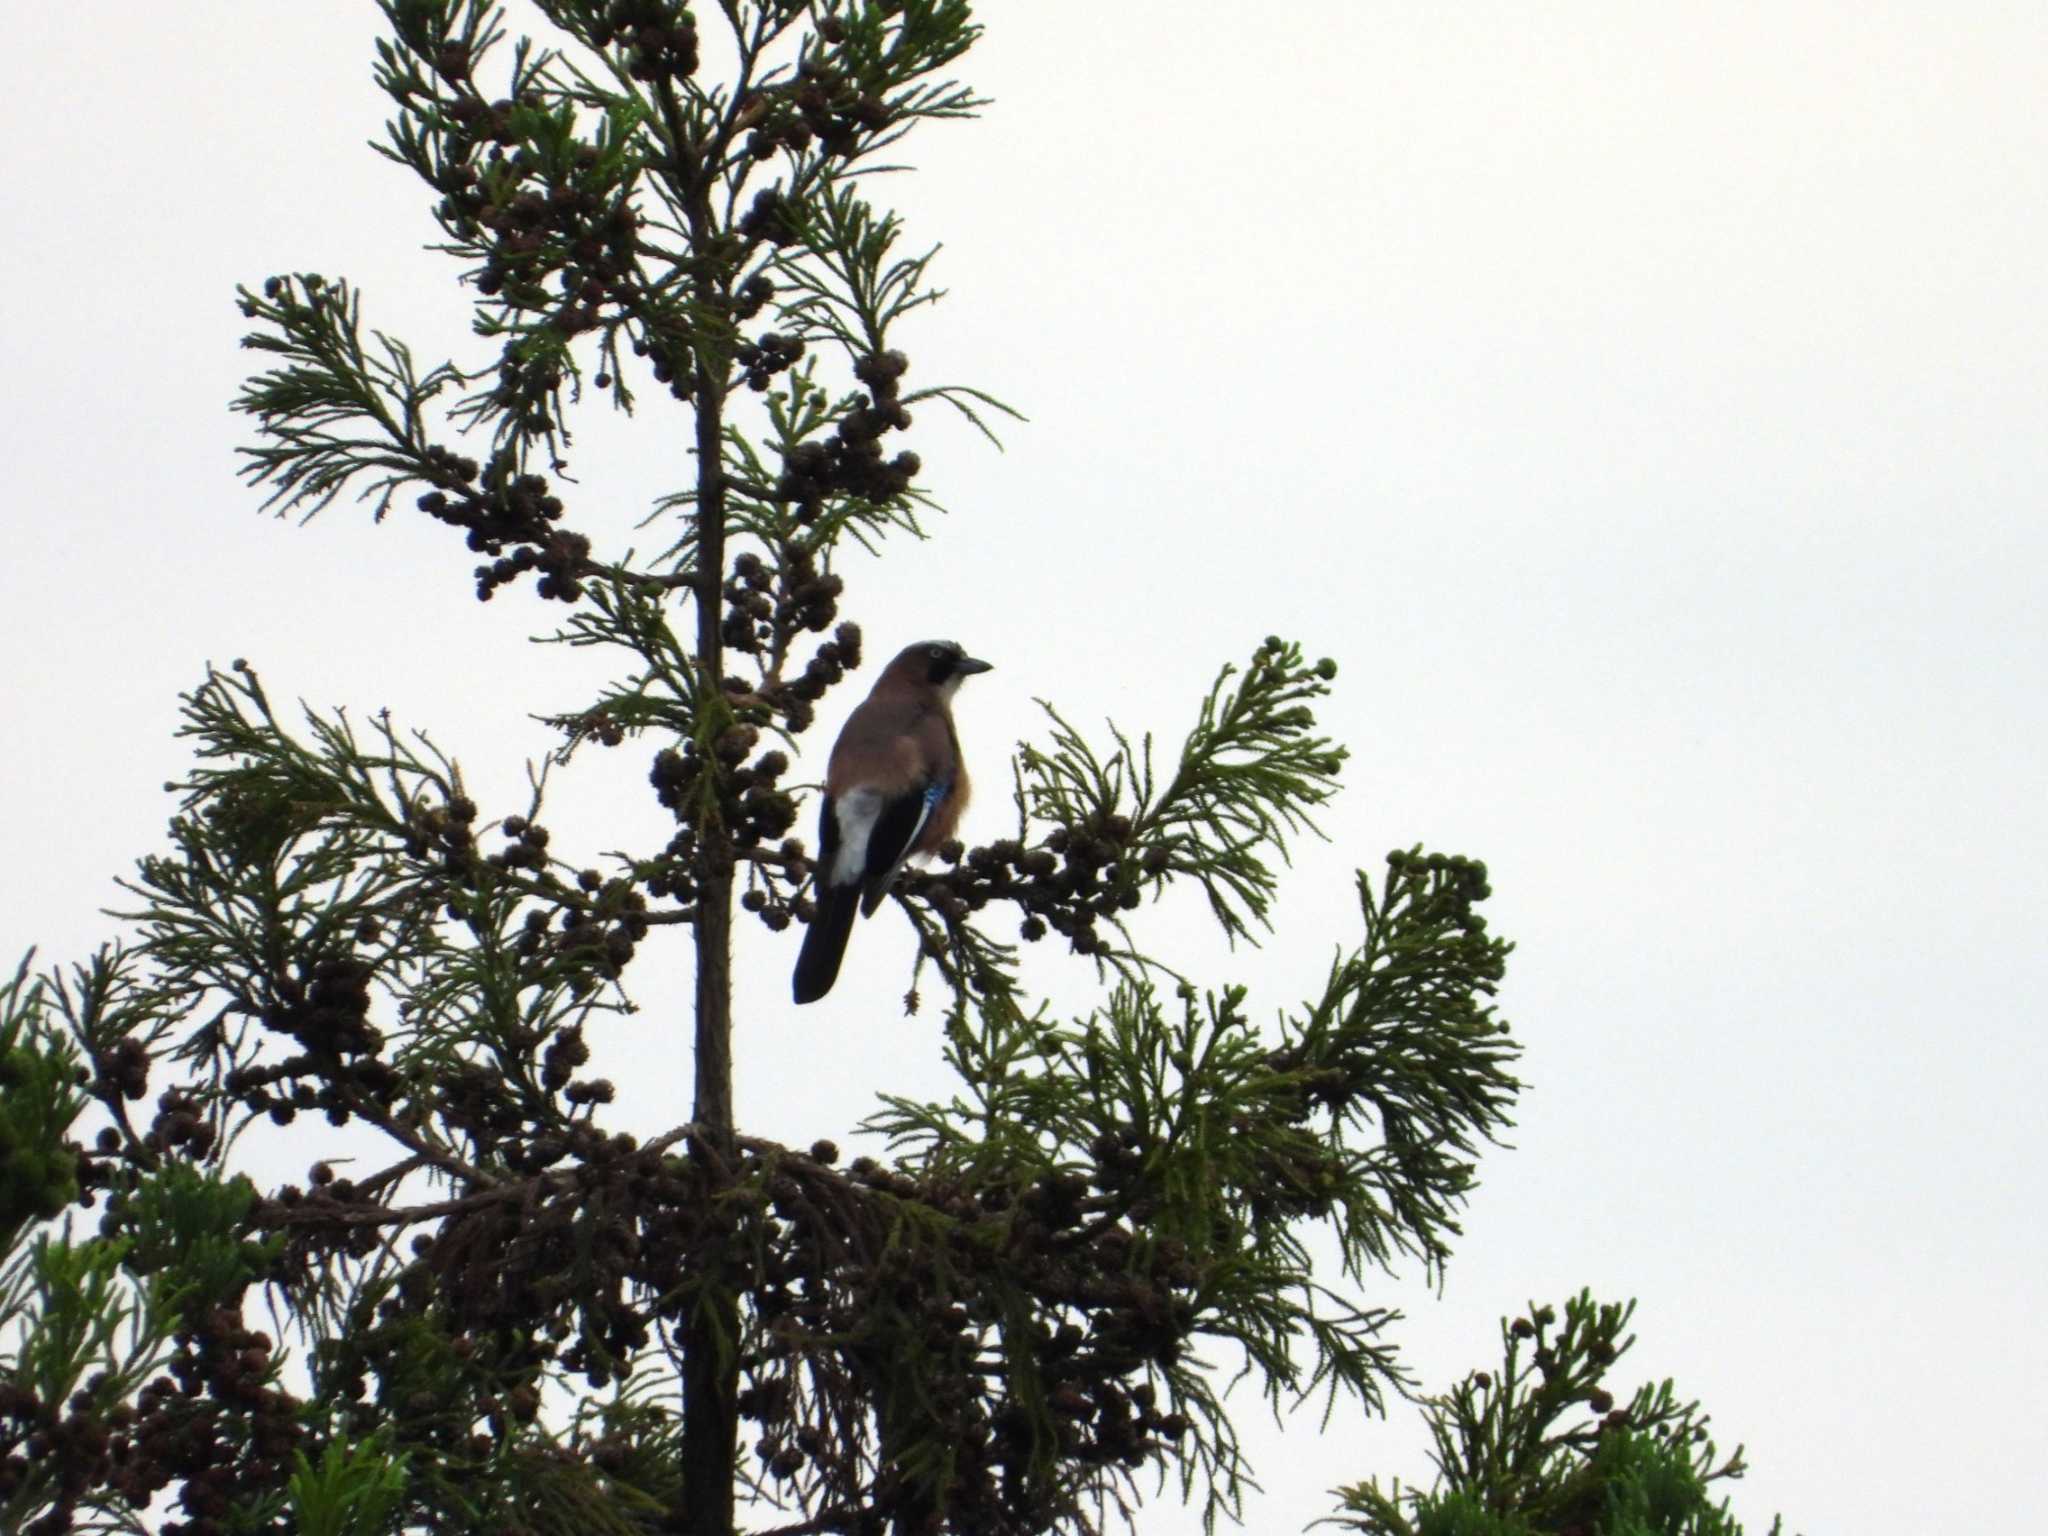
(856, 811)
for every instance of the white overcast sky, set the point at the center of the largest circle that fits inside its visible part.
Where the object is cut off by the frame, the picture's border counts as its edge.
(1644, 403)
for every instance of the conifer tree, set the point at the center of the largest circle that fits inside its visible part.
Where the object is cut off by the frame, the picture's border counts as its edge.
(513, 1313)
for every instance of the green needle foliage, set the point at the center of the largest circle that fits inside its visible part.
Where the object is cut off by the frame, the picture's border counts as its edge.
(507, 1312)
(1540, 1448)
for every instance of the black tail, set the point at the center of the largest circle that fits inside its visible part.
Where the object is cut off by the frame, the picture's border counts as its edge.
(817, 963)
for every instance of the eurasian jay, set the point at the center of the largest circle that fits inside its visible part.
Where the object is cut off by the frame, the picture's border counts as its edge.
(895, 786)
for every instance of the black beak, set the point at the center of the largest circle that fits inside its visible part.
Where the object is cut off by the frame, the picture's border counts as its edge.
(967, 666)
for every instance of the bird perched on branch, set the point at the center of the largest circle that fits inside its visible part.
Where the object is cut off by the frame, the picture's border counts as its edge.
(895, 786)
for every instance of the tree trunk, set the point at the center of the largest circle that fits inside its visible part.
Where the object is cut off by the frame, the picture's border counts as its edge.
(710, 1365)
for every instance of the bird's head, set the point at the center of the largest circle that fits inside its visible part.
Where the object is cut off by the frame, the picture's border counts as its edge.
(940, 665)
